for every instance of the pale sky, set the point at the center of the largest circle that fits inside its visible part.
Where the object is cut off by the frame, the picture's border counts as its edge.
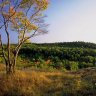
(70, 20)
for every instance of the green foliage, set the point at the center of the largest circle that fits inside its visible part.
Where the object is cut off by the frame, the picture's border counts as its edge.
(70, 58)
(1, 60)
(57, 57)
(70, 65)
(85, 65)
(77, 44)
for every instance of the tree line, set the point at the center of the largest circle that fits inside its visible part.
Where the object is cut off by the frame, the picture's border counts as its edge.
(70, 58)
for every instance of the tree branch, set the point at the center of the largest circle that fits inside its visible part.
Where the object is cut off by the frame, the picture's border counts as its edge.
(15, 7)
(34, 14)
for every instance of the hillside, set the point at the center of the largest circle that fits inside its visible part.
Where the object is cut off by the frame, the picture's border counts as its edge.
(62, 56)
(79, 44)
(66, 56)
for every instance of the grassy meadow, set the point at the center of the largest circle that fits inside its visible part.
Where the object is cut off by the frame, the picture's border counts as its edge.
(48, 83)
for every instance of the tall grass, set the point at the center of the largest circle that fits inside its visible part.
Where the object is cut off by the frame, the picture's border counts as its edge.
(37, 83)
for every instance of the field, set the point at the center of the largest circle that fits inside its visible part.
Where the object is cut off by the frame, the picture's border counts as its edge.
(48, 83)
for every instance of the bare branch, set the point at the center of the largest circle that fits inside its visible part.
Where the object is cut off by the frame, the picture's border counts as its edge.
(34, 14)
(30, 36)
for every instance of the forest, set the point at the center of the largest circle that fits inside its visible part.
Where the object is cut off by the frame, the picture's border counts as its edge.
(61, 56)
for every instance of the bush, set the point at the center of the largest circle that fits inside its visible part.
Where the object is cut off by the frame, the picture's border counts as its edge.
(85, 65)
(71, 65)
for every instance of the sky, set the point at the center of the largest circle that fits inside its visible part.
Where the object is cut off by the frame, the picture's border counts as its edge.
(69, 20)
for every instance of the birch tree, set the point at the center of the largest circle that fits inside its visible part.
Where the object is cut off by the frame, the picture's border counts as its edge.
(25, 17)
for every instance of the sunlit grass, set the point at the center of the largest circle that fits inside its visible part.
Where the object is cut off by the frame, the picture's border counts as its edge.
(43, 83)
(2, 67)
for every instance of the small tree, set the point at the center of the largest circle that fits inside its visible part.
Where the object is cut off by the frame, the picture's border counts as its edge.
(24, 17)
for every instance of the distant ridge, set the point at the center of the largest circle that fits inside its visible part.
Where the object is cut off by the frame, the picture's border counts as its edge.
(79, 44)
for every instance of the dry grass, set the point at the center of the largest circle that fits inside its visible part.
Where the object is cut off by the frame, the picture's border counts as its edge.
(2, 67)
(32, 83)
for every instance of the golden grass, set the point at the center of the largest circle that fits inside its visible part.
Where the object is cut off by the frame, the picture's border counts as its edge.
(2, 67)
(37, 83)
